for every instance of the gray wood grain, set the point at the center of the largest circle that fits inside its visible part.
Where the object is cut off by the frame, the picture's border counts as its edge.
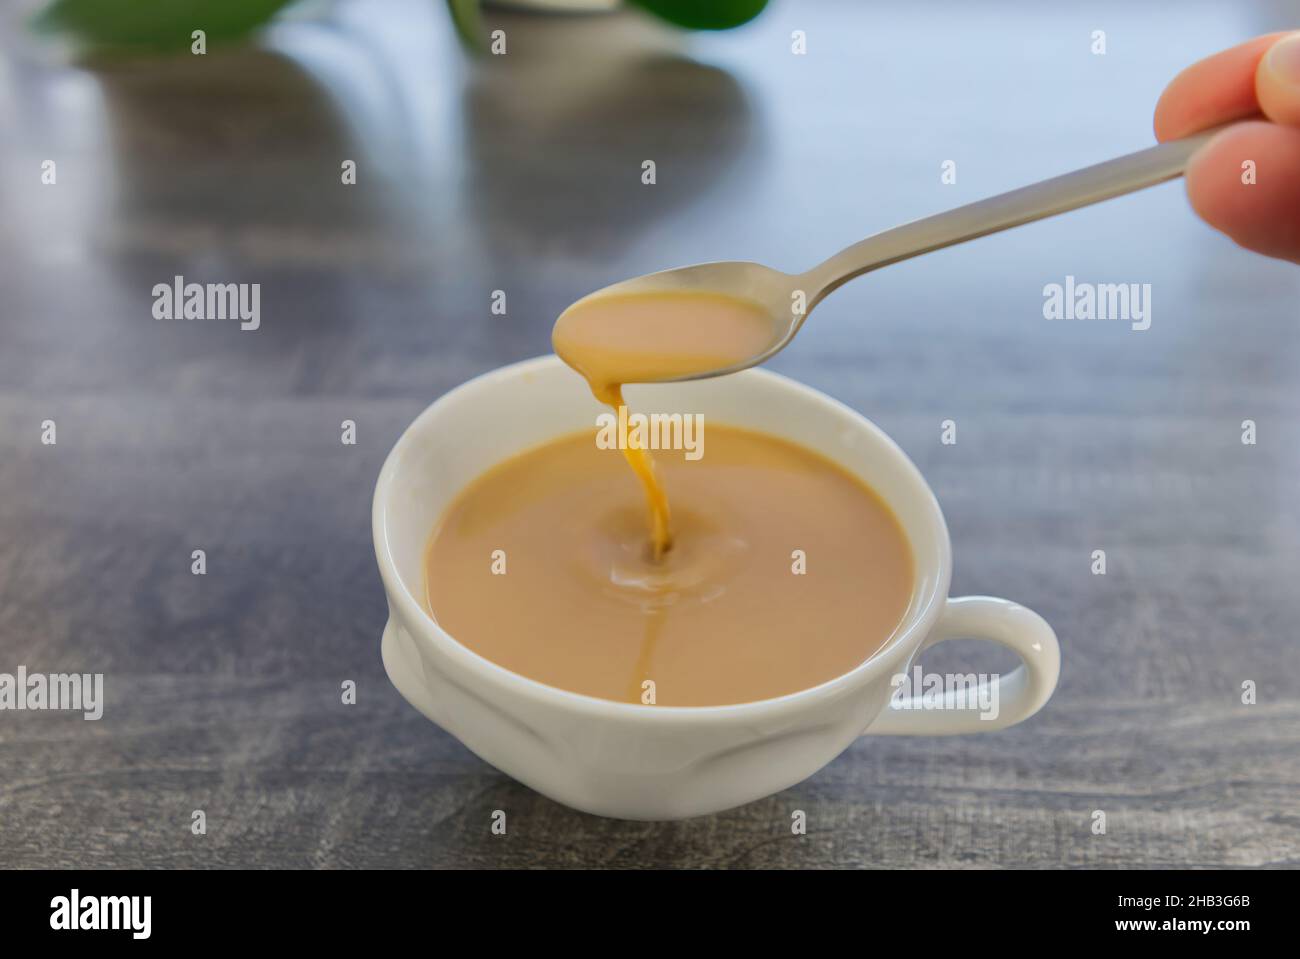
(523, 174)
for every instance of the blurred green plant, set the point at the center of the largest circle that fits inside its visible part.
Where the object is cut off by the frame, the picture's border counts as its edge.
(153, 26)
(158, 26)
(704, 14)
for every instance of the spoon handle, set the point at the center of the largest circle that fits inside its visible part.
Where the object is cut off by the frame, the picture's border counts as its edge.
(1035, 202)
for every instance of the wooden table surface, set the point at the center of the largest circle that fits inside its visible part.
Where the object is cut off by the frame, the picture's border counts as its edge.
(522, 174)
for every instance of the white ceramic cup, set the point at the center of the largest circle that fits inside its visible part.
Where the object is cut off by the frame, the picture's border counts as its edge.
(670, 762)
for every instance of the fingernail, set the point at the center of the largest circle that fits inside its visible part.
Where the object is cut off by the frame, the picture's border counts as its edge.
(1283, 60)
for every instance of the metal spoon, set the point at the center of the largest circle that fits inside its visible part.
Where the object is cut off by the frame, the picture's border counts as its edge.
(789, 298)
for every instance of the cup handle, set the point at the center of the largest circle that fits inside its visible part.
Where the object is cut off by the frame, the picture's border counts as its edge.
(1019, 694)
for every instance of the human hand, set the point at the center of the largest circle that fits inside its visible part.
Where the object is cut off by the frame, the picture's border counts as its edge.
(1261, 76)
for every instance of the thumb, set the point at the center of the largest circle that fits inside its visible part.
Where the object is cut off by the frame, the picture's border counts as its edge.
(1277, 81)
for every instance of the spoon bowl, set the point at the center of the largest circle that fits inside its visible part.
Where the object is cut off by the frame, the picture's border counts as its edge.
(775, 294)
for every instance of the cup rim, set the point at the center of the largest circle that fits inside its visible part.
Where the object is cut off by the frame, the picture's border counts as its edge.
(424, 628)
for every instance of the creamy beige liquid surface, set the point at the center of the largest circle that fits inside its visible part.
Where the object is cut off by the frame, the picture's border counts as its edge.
(721, 618)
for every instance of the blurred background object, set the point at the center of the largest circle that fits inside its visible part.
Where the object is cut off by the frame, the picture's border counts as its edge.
(142, 26)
